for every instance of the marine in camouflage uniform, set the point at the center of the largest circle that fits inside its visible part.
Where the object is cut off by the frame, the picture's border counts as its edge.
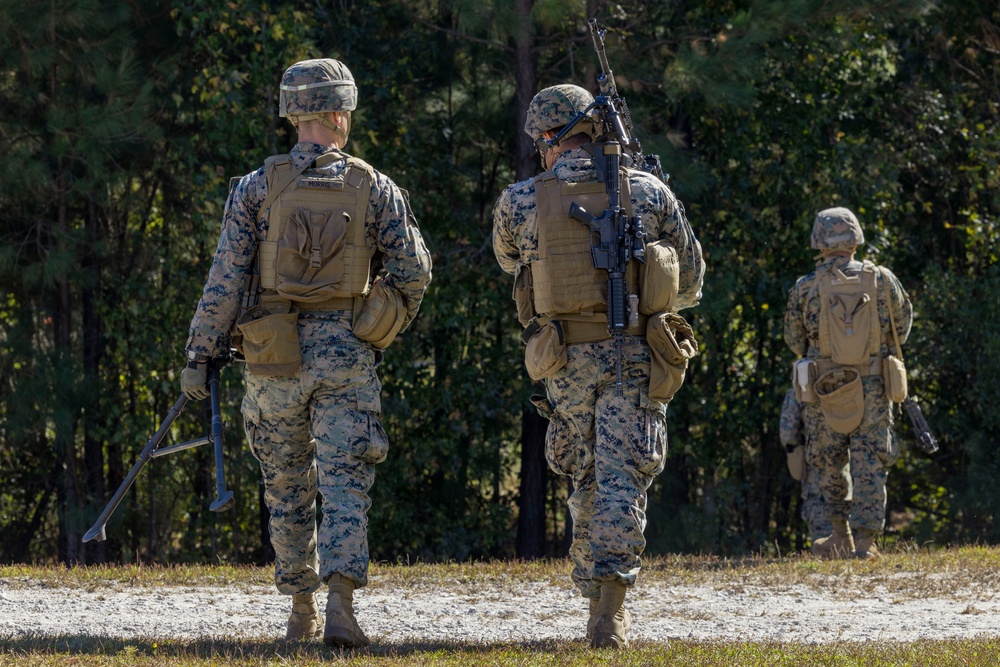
(852, 468)
(792, 435)
(612, 446)
(317, 431)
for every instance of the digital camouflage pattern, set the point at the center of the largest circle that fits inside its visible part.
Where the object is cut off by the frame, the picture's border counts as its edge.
(317, 86)
(836, 228)
(611, 446)
(555, 107)
(851, 468)
(319, 430)
(791, 432)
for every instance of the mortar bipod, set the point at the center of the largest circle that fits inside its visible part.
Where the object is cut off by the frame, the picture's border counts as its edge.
(224, 498)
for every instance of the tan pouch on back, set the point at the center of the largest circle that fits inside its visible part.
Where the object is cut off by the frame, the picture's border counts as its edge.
(659, 278)
(671, 344)
(894, 379)
(841, 398)
(545, 353)
(379, 316)
(271, 341)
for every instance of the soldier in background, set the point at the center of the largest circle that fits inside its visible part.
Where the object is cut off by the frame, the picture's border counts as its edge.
(612, 446)
(845, 320)
(342, 268)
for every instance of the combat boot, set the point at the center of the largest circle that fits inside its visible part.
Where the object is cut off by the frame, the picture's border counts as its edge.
(625, 618)
(609, 625)
(341, 627)
(304, 623)
(839, 544)
(864, 545)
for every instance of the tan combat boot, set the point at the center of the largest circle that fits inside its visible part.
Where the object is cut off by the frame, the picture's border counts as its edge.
(623, 616)
(609, 625)
(304, 623)
(864, 545)
(341, 627)
(840, 544)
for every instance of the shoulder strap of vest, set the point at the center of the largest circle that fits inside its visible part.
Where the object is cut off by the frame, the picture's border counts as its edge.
(280, 174)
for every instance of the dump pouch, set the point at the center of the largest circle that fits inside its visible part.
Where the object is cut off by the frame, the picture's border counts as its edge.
(659, 278)
(545, 353)
(671, 344)
(270, 341)
(803, 380)
(841, 398)
(894, 379)
(379, 315)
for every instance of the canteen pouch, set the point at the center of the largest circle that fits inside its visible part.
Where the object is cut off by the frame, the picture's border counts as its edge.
(522, 293)
(894, 379)
(796, 459)
(671, 344)
(545, 353)
(841, 398)
(270, 341)
(659, 278)
(379, 315)
(804, 380)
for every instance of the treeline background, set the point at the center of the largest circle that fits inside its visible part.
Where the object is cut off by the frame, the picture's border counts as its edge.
(121, 123)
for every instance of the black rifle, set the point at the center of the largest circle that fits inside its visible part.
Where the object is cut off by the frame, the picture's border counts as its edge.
(224, 498)
(925, 439)
(616, 238)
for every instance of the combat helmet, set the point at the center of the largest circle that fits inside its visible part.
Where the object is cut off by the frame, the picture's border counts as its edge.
(556, 106)
(835, 229)
(311, 88)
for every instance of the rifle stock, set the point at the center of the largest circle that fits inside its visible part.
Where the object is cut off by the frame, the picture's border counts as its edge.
(925, 439)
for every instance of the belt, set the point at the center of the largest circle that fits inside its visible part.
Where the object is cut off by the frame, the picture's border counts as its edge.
(576, 331)
(276, 304)
(872, 367)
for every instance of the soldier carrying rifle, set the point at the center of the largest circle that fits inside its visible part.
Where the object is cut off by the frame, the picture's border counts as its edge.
(603, 257)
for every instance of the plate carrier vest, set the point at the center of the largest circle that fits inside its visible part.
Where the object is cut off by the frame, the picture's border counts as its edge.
(314, 256)
(565, 284)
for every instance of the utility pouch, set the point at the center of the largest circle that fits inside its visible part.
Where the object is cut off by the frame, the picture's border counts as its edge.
(379, 315)
(841, 398)
(671, 344)
(894, 379)
(523, 294)
(659, 278)
(271, 341)
(545, 353)
(803, 380)
(796, 459)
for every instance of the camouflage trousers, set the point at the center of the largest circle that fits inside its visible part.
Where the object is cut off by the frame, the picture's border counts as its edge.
(852, 468)
(814, 509)
(612, 447)
(318, 432)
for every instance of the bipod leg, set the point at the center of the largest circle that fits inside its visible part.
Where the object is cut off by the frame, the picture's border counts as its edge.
(223, 497)
(97, 531)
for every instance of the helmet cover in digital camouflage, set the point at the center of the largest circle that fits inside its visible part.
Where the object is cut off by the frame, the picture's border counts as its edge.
(836, 229)
(317, 86)
(555, 107)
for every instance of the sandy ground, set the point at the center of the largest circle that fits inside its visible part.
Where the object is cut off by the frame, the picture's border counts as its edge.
(504, 610)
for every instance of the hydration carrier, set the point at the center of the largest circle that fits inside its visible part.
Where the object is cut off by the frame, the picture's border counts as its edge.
(315, 253)
(849, 331)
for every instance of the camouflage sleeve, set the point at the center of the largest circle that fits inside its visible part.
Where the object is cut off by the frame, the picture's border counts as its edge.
(790, 429)
(796, 337)
(505, 246)
(209, 334)
(405, 259)
(663, 217)
(902, 309)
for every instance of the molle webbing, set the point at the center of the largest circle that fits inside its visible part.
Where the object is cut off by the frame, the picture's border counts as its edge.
(564, 279)
(320, 261)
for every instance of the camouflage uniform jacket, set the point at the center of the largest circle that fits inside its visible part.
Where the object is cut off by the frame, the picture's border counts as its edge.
(802, 333)
(662, 216)
(390, 228)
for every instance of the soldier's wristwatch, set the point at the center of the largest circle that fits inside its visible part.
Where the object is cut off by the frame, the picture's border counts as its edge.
(195, 358)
